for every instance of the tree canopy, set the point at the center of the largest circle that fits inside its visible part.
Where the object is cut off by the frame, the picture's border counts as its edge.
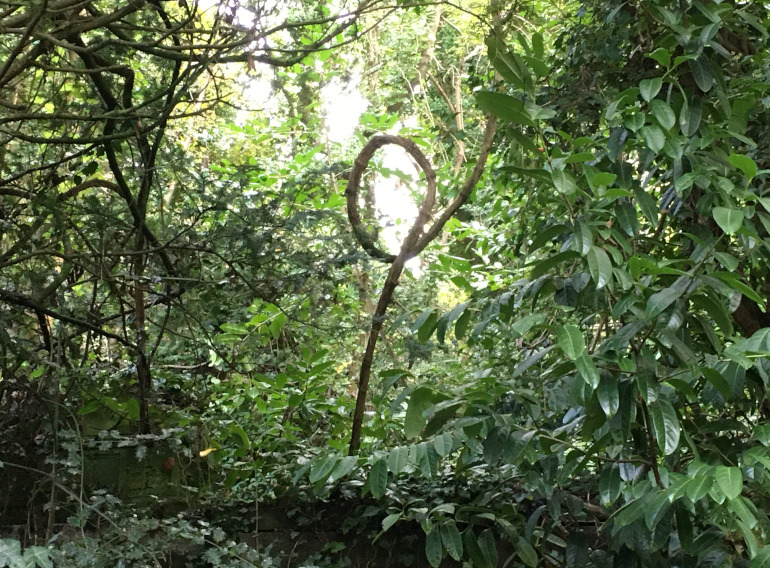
(563, 361)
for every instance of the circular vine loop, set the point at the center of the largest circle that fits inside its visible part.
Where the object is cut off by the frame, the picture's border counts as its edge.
(351, 193)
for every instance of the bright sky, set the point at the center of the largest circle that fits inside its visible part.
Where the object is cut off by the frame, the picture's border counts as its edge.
(343, 106)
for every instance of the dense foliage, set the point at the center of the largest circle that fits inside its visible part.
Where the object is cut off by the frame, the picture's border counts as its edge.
(577, 373)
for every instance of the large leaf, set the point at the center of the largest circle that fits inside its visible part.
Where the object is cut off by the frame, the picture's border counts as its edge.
(564, 182)
(378, 478)
(659, 301)
(729, 480)
(600, 266)
(745, 164)
(433, 550)
(504, 107)
(452, 540)
(649, 88)
(419, 402)
(570, 340)
(729, 219)
(607, 394)
(665, 425)
(653, 137)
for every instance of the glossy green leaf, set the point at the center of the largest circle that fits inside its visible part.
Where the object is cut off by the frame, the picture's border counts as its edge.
(552, 261)
(649, 88)
(570, 340)
(663, 114)
(653, 137)
(729, 480)
(607, 394)
(747, 165)
(690, 117)
(659, 301)
(425, 324)
(446, 319)
(343, 467)
(701, 72)
(585, 365)
(647, 205)
(666, 425)
(600, 266)
(609, 485)
(729, 220)
(627, 217)
(547, 235)
(662, 56)
(443, 444)
(461, 327)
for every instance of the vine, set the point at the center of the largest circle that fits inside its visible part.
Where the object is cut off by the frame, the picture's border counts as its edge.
(416, 240)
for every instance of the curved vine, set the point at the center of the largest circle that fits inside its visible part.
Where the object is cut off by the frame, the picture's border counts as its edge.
(416, 240)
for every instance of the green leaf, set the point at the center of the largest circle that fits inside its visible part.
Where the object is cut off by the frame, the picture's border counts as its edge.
(729, 220)
(588, 371)
(448, 318)
(378, 478)
(563, 181)
(659, 301)
(583, 238)
(570, 340)
(653, 137)
(729, 480)
(698, 486)
(538, 48)
(504, 107)
(433, 550)
(488, 549)
(663, 114)
(609, 485)
(745, 164)
(647, 205)
(398, 458)
(626, 215)
(717, 381)
(443, 444)
(452, 540)
(419, 402)
(526, 552)
(37, 556)
(323, 467)
(607, 393)
(343, 467)
(461, 327)
(690, 117)
(390, 520)
(545, 265)
(701, 72)
(600, 266)
(649, 88)
(666, 425)
(10, 552)
(425, 324)
(662, 56)
(547, 235)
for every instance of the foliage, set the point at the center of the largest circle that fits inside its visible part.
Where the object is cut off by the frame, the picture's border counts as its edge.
(577, 378)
